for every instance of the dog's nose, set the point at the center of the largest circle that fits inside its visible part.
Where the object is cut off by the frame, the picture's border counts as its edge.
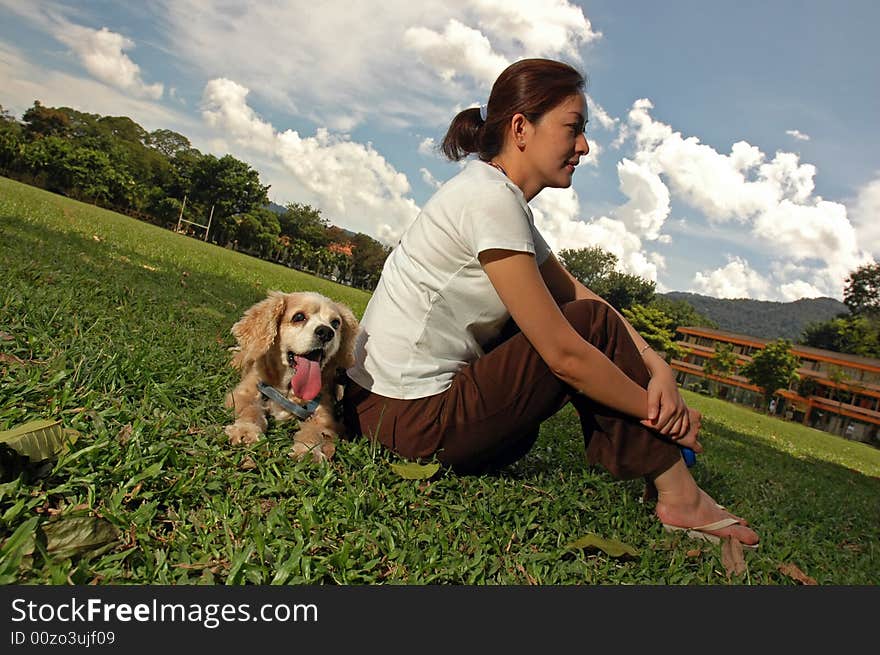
(324, 333)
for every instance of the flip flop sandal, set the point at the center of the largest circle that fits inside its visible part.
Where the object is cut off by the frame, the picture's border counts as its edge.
(698, 532)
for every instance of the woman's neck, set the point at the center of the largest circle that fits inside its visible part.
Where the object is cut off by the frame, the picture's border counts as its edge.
(508, 166)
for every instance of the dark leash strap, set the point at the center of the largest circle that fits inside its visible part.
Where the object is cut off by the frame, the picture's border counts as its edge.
(301, 411)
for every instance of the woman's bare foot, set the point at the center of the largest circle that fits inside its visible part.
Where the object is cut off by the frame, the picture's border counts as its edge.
(680, 502)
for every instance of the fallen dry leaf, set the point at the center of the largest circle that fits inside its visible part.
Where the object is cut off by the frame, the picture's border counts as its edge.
(531, 580)
(124, 434)
(732, 556)
(5, 336)
(696, 552)
(248, 464)
(793, 572)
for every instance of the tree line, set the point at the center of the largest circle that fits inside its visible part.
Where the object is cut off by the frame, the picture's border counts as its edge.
(113, 162)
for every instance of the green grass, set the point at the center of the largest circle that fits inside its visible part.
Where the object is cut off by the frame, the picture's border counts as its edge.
(121, 330)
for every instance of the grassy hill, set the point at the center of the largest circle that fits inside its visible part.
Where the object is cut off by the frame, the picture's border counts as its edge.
(120, 330)
(761, 318)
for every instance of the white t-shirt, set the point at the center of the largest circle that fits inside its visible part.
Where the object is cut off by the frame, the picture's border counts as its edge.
(434, 307)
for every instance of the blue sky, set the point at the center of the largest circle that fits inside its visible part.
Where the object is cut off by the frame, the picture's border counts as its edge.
(735, 145)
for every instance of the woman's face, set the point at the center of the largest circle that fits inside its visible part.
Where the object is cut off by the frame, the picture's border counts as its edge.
(555, 143)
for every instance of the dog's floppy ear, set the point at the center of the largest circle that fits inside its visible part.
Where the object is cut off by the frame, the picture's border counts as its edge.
(345, 355)
(256, 330)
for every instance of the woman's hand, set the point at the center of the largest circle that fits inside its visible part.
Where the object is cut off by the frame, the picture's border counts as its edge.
(667, 412)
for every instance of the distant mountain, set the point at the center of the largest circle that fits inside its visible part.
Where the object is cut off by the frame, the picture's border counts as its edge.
(275, 207)
(761, 318)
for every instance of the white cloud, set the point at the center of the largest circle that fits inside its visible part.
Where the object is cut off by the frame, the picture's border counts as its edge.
(102, 54)
(428, 147)
(735, 280)
(797, 134)
(352, 183)
(548, 28)
(25, 81)
(372, 75)
(866, 217)
(429, 179)
(772, 198)
(597, 114)
(648, 204)
(458, 50)
(798, 289)
(556, 214)
(225, 108)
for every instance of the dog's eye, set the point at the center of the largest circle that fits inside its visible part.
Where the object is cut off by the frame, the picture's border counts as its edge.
(299, 317)
(335, 323)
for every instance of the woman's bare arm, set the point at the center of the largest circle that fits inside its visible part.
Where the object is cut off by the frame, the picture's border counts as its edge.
(580, 364)
(533, 298)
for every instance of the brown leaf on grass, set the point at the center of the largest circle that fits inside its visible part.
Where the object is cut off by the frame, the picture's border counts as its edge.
(793, 572)
(5, 336)
(696, 552)
(248, 464)
(10, 359)
(531, 580)
(732, 556)
(124, 434)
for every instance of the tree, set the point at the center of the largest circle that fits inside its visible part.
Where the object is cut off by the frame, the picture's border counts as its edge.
(855, 335)
(45, 121)
(623, 290)
(304, 222)
(862, 291)
(6, 117)
(723, 364)
(168, 142)
(838, 377)
(10, 141)
(231, 186)
(591, 265)
(256, 231)
(654, 326)
(595, 268)
(773, 368)
(368, 258)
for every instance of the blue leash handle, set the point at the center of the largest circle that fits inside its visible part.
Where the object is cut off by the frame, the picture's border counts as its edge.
(690, 457)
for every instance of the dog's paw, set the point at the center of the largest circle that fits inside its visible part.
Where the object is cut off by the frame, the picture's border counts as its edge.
(315, 444)
(242, 433)
(301, 451)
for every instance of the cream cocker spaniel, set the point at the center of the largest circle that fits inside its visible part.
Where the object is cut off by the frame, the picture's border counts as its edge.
(292, 347)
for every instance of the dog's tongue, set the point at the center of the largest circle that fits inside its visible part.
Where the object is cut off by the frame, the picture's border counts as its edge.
(306, 382)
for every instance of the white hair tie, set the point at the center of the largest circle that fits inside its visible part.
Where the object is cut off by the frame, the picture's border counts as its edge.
(483, 110)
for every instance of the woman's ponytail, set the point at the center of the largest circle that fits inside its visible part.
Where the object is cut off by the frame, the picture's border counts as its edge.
(463, 136)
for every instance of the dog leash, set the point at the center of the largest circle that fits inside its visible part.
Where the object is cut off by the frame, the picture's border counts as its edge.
(301, 411)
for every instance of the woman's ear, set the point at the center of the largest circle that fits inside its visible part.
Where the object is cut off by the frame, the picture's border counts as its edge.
(519, 126)
(258, 327)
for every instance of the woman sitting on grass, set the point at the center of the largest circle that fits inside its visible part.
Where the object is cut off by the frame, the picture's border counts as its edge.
(439, 371)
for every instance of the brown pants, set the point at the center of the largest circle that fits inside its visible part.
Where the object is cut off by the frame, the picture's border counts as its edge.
(491, 414)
